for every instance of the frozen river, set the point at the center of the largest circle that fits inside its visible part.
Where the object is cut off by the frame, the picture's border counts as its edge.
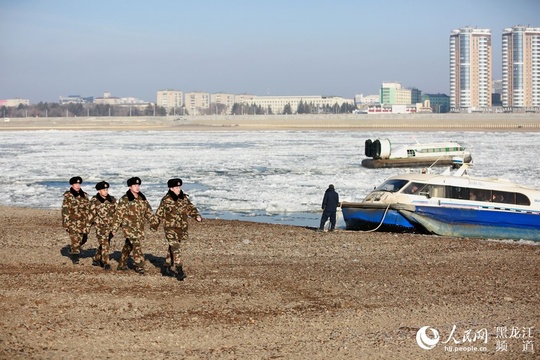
(267, 176)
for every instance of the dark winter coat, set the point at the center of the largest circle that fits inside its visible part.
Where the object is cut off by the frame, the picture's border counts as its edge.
(330, 200)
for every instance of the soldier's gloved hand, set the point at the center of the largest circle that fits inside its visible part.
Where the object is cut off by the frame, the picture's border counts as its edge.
(84, 239)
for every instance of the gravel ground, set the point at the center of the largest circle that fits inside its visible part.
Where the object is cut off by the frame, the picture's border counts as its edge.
(264, 291)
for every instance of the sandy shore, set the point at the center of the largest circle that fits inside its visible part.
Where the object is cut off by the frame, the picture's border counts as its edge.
(396, 122)
(263, 291)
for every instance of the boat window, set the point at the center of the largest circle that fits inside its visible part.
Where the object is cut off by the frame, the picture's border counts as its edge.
(522, 199)
(503, 197)
(479, 194)
(413, 188)
(473, 194)
(456, 192)
(392, 185)
(434, 190)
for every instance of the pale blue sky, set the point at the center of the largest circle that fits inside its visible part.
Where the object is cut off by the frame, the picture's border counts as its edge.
(134, 48)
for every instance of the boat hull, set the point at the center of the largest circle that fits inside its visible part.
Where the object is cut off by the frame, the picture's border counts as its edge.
(371, 217)
(476, 223)
(411, 162)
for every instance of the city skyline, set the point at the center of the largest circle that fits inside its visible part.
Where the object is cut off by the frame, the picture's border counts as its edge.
(135, 48)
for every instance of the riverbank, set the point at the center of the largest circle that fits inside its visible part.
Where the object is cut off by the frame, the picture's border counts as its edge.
(387, 122)
(263, 291)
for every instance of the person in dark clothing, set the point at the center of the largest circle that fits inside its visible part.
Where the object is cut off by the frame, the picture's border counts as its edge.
(329, 206)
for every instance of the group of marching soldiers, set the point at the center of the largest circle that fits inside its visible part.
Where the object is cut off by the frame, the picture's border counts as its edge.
(131, 213)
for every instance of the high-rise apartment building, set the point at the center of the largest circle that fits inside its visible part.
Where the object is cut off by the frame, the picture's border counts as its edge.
(521, 67)
(470, 69)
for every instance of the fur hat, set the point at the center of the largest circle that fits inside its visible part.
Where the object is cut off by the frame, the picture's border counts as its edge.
(174, 182)
(75, 180)
(102, 185)
(134, 181)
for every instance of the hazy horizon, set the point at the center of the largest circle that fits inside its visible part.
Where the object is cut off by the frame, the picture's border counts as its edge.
(135, 48)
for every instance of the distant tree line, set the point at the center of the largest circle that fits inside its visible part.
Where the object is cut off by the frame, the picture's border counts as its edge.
(310, 108)
(46, 109)
(302, 108)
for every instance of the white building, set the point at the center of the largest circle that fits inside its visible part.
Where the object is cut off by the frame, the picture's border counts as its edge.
(202, 103)
(73, 99)
(276, 104)
(521, 67)
(470, 69)
(170, 99)
(362, 99)
(221, 102)
(14, 102)
(197, 103)
(108, 99)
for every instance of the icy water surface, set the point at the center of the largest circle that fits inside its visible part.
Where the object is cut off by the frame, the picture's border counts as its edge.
(266, 176)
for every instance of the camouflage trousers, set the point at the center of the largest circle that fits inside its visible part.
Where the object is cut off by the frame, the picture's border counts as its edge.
(75, 237)
(132, 244)
(174, 237)
(103, 250)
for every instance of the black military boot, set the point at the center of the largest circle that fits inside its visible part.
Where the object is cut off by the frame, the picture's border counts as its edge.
(97, 263)
(166, 271)
(180, 275)
(74, 258)
(84, 239)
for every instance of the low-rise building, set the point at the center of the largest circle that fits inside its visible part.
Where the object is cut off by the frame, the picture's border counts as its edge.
(107, 99)
(202, 103)
(395, 94)
(14, 102)
(277, 104)
(439, 103)
(75, 99)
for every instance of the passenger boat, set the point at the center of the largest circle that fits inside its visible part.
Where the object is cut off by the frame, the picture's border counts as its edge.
(383, 155)
(449, 204)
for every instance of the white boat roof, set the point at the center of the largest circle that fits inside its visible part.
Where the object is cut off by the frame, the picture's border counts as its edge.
(438, 145)
(464, 181)
(433, 145)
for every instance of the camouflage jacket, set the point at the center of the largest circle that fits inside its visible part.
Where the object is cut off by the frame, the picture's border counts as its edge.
(131, 214)
(102, 213)
(174, 211)
(75, 207)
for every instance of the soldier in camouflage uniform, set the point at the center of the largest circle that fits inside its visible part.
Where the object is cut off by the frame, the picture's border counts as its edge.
(132, 212)
(174, 210)
(102, 209)
(75, 207)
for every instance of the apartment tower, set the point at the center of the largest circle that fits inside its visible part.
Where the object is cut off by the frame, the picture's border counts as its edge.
(521, 67)
(470, 69)
(170, 99)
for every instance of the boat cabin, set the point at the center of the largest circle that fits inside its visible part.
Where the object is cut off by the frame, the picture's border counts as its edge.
(453, 192)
